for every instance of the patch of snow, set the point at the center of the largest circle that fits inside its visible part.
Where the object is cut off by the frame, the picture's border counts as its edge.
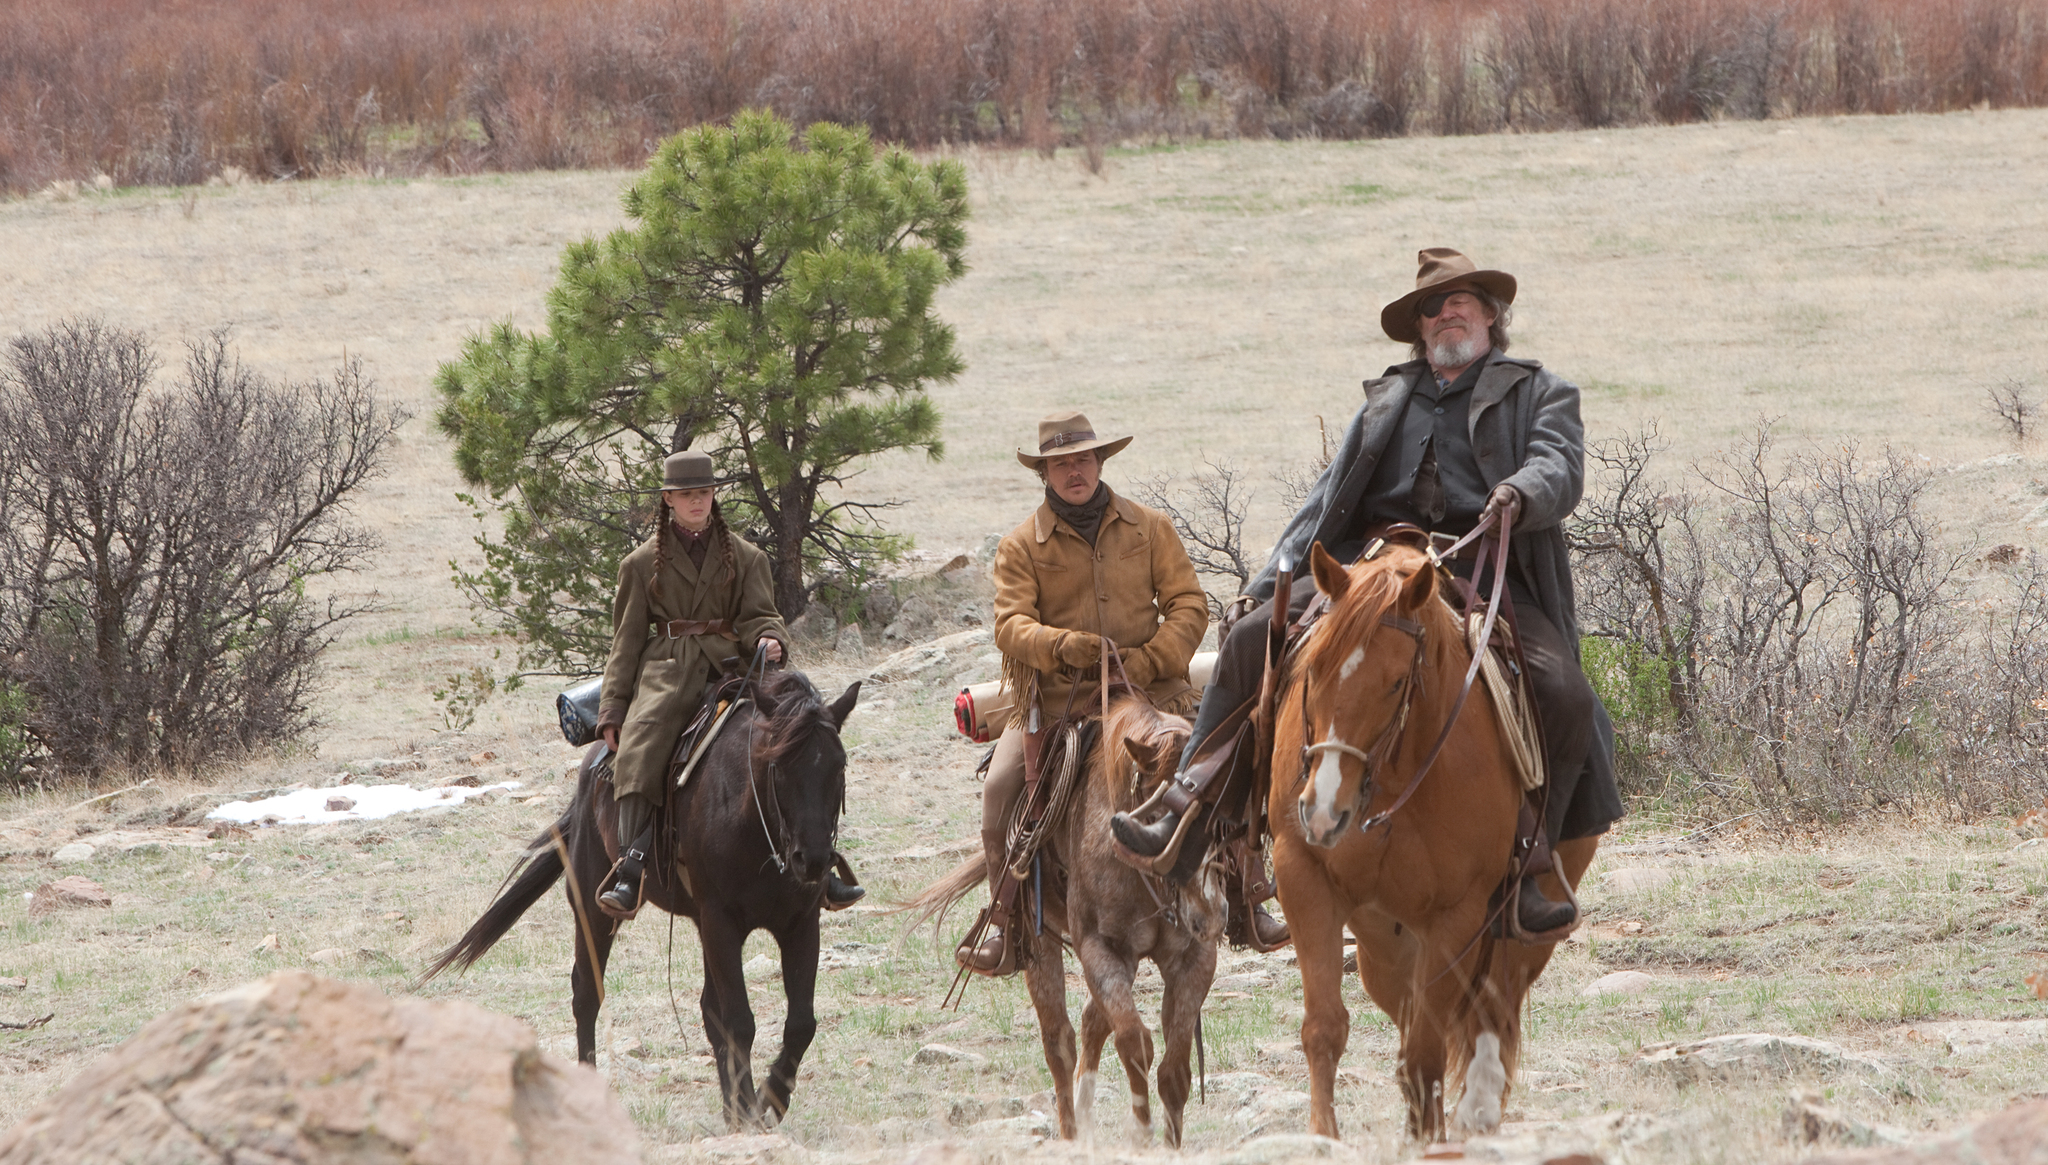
(309, 806)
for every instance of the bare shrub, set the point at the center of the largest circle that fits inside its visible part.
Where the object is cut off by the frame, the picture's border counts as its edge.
(157, 93)
(1208, 514)
(2014, 404)
(1298, 482)
(1641, 578)
(1805, 621)
(153, 602)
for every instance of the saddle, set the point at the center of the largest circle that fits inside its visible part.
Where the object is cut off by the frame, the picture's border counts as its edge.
(1503, 671)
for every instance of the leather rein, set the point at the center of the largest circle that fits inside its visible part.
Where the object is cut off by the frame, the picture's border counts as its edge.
(1388, 743)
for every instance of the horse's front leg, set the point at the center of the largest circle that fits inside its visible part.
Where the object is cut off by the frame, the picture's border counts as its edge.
(1046, 976)
(1444, 973)
(1109, 973)
(1188, 974)
(1317, 920)
(728, 1019)
(800, 1022)
(592, 938)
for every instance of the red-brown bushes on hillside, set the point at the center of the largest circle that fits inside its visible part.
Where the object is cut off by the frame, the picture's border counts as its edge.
(153, 93)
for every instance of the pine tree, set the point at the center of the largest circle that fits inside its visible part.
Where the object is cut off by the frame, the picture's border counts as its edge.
(773, 305)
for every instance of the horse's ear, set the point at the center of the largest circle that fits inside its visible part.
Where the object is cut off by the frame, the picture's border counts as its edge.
(1144, 753)
(1419, 588)
(843, 706)
(1331, 577)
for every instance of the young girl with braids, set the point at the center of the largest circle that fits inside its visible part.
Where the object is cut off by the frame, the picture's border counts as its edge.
(693, 597)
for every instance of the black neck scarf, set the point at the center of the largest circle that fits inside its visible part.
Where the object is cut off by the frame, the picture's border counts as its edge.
(1086, 518)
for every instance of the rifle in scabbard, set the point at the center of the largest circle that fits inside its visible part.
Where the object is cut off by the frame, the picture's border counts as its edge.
(1276, 643)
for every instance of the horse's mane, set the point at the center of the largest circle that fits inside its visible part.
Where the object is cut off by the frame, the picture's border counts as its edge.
(794, 710)
(1134, 718)
(1354, 619)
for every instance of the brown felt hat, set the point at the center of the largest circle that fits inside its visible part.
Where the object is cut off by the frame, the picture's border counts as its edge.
(689, 469)
(1064, 433)
(1441, 269)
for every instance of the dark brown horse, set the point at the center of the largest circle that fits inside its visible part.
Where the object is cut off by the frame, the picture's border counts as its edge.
(746, 846)
(1083, 897)
(1416, 888)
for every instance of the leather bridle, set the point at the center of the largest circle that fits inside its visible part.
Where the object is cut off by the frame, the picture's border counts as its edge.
(1388, 743)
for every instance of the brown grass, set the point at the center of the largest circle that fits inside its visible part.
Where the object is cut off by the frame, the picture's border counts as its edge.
(153, 93)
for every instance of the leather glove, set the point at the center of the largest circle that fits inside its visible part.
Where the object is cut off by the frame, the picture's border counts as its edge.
(1234, 610)
(1504, 497)
(1078, 649)
(1139, 667)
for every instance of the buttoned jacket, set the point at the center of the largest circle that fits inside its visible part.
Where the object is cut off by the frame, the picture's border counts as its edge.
(1134, 586)
(653, 683)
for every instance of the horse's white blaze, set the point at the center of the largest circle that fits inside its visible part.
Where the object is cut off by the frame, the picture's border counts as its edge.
(1322, 816)
(1485, 1080)
(1084, 1105)
(1351, 662)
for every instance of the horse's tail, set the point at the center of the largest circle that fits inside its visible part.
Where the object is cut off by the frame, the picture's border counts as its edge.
(931, 903)
(535, 874)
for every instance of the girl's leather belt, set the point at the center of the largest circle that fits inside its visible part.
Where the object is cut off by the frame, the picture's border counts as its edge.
(681, 628)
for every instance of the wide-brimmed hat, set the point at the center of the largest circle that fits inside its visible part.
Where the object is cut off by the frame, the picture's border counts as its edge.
(1441, 269)
(1064, 433)
(689, 469)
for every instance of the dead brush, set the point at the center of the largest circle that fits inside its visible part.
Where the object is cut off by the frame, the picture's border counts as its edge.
(1788, 633)
(172, 95)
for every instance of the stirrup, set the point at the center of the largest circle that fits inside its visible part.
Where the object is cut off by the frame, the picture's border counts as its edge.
(1510, 925)
(986, 927)
(1163, 863)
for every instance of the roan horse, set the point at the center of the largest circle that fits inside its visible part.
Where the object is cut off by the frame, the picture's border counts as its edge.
(1112, 916)
(1415, 888)
(746, 846)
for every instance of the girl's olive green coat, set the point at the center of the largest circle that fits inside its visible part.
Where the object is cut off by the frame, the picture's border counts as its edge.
(652, 683)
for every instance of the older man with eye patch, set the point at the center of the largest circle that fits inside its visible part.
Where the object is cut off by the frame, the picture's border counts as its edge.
(1459, 431)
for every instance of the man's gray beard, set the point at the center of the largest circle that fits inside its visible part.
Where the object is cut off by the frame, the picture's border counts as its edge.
(1457, 353)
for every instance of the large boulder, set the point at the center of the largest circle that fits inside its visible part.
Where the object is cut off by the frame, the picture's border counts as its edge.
(2017, 1136)
(296, 1069)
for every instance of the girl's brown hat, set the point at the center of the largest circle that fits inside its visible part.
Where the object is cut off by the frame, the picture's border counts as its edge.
(689, 469)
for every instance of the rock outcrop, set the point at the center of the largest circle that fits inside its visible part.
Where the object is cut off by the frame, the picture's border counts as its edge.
(296, 1069)
(2017, 1136)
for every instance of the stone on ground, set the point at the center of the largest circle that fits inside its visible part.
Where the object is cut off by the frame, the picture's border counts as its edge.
(69, 893)
(2017, 1136)
(1979, 1039)
(1619, 983)
(849, 645)
(298, 1070)
(946, 1054)
(1752, 1055)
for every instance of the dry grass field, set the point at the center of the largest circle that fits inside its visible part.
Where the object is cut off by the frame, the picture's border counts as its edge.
(1862, 279)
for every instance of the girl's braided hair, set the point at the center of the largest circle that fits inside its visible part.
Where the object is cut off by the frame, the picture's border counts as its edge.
(716, 530)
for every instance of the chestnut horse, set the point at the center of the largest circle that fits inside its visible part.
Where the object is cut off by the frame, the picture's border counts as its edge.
(1112, 916)
(1417, 888)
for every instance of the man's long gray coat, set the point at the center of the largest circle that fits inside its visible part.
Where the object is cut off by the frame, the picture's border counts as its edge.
(1525, 431)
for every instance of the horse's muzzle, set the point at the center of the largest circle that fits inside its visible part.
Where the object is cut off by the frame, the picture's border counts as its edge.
(809, 865)
(1322, 838)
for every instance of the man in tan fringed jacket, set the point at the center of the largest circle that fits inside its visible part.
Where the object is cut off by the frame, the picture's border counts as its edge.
(1089, 564)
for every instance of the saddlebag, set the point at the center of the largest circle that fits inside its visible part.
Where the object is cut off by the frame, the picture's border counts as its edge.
(577, 709)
